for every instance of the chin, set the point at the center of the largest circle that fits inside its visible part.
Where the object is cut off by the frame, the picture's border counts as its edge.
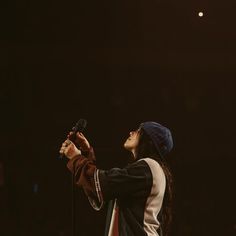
(126, 147)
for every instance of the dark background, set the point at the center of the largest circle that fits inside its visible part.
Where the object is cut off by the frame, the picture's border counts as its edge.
(116, 63)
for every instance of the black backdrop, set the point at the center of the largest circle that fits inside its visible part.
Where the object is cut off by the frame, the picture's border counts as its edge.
(116, 63)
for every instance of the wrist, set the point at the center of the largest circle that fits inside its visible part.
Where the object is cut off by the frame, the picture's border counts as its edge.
(74, 154)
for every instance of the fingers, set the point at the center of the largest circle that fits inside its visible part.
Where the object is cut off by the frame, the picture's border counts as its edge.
(80, 136)
(69, 149)
(69, 135)
(65, 146)
(78, 140)
(67, 142)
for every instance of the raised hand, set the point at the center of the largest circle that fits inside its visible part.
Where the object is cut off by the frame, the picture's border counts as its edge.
(69, 149)
(80, 140)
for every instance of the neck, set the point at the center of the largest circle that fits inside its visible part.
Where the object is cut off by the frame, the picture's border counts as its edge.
(134, 154)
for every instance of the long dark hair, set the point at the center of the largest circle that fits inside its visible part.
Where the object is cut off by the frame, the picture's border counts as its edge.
(146, 148)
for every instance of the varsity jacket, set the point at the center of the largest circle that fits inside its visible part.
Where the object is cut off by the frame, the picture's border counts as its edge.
(135, 193)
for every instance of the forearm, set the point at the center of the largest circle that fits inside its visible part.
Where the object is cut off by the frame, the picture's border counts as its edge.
(83, 169)
(86, 176)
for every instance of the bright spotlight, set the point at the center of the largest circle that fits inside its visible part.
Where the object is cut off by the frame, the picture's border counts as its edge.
(200, 14)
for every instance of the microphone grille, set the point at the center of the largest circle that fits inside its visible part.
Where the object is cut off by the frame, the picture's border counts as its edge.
(80, 126)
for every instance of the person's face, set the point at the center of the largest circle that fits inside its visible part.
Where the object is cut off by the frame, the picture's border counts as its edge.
(132, 141)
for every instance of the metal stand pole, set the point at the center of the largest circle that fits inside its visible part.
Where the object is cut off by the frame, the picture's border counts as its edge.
(73, 202)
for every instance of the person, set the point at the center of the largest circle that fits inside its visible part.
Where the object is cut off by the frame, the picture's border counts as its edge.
(139, 196)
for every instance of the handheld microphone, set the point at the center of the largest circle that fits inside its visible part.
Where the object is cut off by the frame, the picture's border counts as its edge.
(79, 127)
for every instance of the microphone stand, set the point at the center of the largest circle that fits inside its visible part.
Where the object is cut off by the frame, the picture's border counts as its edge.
(79, 127)
(73, 202)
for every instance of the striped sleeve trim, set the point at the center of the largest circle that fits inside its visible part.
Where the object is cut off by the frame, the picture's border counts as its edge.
(98, 203)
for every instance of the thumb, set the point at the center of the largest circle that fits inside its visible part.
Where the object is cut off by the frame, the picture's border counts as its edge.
(69, 135)
(80, 135)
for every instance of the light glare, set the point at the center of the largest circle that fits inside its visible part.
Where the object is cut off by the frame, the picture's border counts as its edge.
(200, 14)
